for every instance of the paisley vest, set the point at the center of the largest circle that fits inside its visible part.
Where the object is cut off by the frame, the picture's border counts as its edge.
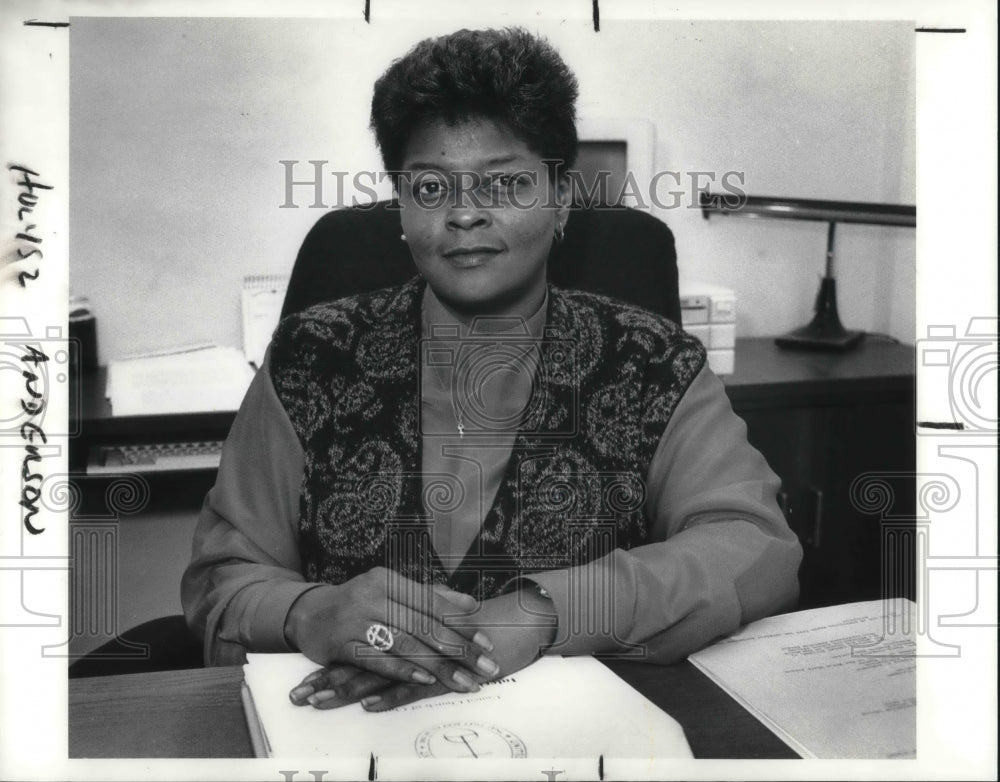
(346, 372)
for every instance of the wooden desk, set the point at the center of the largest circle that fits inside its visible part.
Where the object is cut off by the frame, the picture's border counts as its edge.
(766, 374)
(825, 421)
(198, 713)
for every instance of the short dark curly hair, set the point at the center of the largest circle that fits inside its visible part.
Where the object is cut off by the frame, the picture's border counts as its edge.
(509, 75)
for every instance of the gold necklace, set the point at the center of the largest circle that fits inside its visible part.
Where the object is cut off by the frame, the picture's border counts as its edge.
(455, 411)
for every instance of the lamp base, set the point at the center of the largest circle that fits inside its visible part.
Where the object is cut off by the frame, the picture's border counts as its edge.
(825, 332)
(806, 339)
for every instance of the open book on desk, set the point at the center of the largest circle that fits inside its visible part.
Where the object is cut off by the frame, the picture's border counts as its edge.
(835, 682)
(565, 708)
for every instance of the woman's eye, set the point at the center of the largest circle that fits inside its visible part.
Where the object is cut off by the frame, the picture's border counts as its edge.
(429, 191)
(504, 182)
(429, 188)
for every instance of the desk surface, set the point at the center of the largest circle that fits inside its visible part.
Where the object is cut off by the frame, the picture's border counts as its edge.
(198, 713)
(767, 375)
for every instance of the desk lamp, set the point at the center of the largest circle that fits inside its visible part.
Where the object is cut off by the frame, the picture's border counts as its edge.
(825, 331)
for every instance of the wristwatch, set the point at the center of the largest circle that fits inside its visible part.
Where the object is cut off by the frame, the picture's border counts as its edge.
(541, 590)
(528, 585)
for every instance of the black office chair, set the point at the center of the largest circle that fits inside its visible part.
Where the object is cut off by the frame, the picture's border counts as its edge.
(164, 644)
(617, 251)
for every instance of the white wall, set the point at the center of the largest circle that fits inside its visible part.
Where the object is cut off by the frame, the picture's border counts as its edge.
(177, 127)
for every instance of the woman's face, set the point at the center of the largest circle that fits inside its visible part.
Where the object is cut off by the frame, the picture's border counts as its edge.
(479, 215)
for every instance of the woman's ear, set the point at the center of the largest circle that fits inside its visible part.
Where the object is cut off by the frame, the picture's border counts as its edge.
(563, 195)
(563, 198)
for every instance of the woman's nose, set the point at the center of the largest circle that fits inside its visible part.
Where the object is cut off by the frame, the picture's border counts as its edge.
(468, 208)
(467, 216)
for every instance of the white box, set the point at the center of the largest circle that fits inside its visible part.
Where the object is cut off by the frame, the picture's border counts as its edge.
(722, 335)
(694, 309)
(708, 312)
(723, 308)
(722, 361)
(702, 332)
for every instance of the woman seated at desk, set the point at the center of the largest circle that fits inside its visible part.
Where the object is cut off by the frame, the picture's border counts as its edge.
(429, 486)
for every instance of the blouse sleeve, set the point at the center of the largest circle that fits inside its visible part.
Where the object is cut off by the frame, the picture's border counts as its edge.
(721, 553)
(245, 570)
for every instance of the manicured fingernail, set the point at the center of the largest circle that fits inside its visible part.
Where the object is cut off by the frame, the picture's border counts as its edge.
(322, 696)
(463, 680)
(371, 700)
(482, 641)
(423, 677)
(486, 665)
(301, 692)
(464, 600)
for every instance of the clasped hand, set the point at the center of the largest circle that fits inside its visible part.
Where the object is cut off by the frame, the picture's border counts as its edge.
(441, 640)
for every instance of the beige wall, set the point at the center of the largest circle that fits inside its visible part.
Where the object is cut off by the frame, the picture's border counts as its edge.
(177, 127)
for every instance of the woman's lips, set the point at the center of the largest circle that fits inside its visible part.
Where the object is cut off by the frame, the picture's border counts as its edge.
(467, 257)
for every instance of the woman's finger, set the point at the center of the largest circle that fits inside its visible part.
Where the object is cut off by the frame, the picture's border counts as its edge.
(430, 603)
(433, 600)
(460, 599)
(346, 682)
(463, 622)
(424, 639)
(309, 685)
(362, 684)
(412, 659)
(390, 666)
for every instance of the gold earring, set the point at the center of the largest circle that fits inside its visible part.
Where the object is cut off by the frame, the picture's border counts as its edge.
(403, 237)
(559, 232)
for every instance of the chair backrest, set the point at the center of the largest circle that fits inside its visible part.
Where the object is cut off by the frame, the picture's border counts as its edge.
(619, 252)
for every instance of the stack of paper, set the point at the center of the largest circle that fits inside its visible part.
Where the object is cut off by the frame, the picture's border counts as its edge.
(201, 379)
(557, 708)
(261, 299)
(834, 682)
